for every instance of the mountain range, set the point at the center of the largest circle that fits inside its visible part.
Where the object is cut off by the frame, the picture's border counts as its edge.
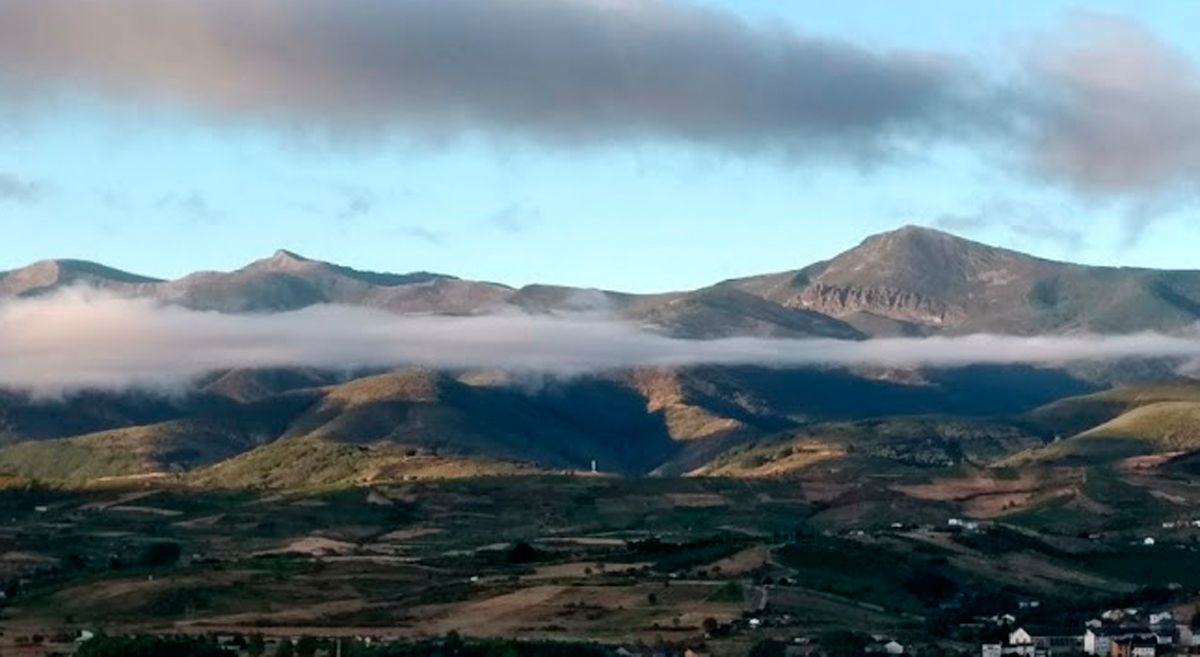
(248, 427)
(913, 281)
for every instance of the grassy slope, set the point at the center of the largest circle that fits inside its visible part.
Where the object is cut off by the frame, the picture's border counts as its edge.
(1165, 426)
(313, 462)
(1116, 424)
(905, 441)
(119, 452)
(1074, 415)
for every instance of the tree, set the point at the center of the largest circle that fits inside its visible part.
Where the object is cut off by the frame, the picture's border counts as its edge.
(256, 646)
(285, 649)
(306, 647)
(842, 643)
(768, 648)
(149, 646)
(160, 553)
(522, 552)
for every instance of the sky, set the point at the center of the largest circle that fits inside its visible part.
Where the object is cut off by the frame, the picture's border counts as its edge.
(639, 145)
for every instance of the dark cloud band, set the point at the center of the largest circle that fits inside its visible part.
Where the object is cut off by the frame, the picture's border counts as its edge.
(1105, 108)
(564, 70)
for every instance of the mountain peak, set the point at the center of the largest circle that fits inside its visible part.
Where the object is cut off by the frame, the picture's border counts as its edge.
(60, 270)
(921, 277)
(46, 275)
(283, 255)
(922, 247)
(916, 233)
(282, 261)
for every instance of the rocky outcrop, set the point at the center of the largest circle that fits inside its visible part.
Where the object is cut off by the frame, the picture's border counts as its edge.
(894, 303)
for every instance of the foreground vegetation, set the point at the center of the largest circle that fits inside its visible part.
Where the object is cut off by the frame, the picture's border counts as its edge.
(683, 561)
(187, 646)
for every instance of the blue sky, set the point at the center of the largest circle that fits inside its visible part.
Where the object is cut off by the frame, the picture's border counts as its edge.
(166, 188)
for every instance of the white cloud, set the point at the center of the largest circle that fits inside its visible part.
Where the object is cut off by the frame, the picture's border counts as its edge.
(81, 339)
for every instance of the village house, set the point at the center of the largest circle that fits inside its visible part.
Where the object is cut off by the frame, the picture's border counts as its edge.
(969, 525)
(999, 620)
(1162, 619)
(1133, 647)
(1044, 643)
(884, 646)
(1099, 640)
(1021, 643)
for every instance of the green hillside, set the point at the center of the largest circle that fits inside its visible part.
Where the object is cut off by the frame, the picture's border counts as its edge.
(161, 447)
(1074, 415)
(1155, 428)
(903, 442)
(295, 463)
(1163, 426)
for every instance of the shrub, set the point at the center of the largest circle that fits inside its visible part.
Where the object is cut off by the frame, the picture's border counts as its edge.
(160, 553)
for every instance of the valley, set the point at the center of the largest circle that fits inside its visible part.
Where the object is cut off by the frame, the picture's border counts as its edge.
(614, 560)
(718, 508)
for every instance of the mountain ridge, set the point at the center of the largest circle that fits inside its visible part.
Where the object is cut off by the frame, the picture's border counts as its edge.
(910, 281)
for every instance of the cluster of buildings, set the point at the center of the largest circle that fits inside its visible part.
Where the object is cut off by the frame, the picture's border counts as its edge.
(1180, 524)
(1117, 633)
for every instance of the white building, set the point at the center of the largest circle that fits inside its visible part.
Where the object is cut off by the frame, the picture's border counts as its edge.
(1019, 637)
(1096, 641)
(1099, 641)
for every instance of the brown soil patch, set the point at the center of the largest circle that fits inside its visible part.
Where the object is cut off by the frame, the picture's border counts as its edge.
(313, 546)
(149, 510)
(404, 535)
(578, 569)
(742, 562)
(697, 500)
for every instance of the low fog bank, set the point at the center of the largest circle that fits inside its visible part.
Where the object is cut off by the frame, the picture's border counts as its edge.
(82, 339)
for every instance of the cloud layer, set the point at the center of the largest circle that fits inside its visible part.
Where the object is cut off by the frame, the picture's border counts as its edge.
(81, 339)
(1101, 107)
(562, 70)
(1116, 110)
(19, 190)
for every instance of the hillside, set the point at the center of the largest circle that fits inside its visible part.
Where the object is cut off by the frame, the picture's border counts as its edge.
(917, 280)
(438, 414)
(200, 433)
(50, 275)
(911, 281)
(704, 419)
(1164, 426)
(298, 463)
(874, 446)
(667, 421)
(1115, 424)
(1073, 415)
(156, 448)
(1155, 428)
